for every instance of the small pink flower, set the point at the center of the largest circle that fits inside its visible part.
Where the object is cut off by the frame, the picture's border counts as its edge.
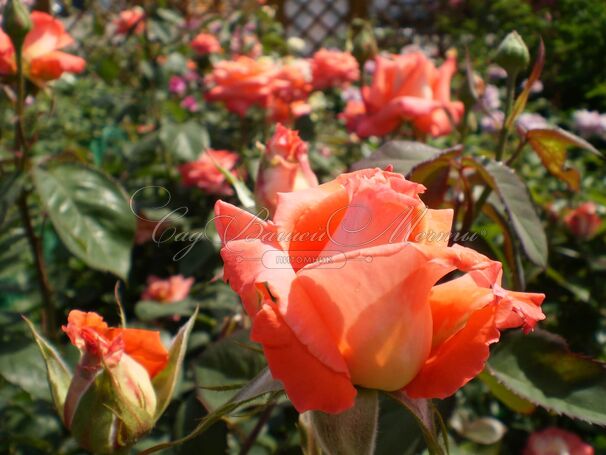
(177, 85)
(204, 173)
(172, 289)
(190, 103)
(583, 222)
(555, 441)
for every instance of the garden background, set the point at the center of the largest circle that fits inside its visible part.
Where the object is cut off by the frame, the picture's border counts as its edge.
(107, 193)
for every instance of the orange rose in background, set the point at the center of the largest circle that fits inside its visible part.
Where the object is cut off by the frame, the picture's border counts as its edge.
(130, 21)
(583, 222)
(555, 441)
(173, 289)
(241, 83)
(42, 59)
(284, 167)
(204, 173)
(408, 88)
(290, 87)
(334, 69)
(205, 43)
(341, 289)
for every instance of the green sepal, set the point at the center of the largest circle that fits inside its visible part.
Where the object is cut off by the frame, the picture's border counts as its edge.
(58, 374)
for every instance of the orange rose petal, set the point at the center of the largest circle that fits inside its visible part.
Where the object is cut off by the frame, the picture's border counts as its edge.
(309, 383)
(459, 359)
(144, 346)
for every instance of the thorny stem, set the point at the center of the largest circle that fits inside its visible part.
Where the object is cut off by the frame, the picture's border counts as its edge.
(48, 310)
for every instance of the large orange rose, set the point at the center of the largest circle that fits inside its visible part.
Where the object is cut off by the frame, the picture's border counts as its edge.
(407, 87)
(341, 289)
(42, 59)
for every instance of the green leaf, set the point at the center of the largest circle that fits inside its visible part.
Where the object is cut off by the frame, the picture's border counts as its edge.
(404, 156)
(58, 375)
(425, 415)
(10, 189)
(226, 363)
(164, 383)
(551, 144)
(148, 310)
(520, 103)
(540, 368)
(522, 216)
(91, 214)
(185, 140)
(262, 384)
(506, 396)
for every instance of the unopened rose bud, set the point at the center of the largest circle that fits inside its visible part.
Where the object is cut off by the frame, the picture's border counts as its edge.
(284, 168)
(512, 54)
(121, 385)
(16, 22)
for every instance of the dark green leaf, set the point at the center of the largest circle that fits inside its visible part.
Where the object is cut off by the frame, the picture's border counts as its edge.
(540, 368)
(91, 214)
(226, 363)
(520, 210)
(10, 189)
(184, 140)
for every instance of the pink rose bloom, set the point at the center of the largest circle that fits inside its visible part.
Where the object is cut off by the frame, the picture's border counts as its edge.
(190, 103)
(334, 69)
(204, 173)
(205, 44)
(555, 441)
(409, 88)
(172, 289)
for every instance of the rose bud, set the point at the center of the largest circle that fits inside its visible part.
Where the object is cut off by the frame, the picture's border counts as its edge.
(284, 167)
(583, 222)
(122, 383)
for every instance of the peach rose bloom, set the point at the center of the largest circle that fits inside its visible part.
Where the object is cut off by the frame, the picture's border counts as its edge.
(241, 83)
(555, 441)
(583, 222)
(173, 289)
(408, 88)
(42, 58)
(204, 173)
(284, 167)
(334, 69)
(130, 21)
(205, 43)
(341, 286)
